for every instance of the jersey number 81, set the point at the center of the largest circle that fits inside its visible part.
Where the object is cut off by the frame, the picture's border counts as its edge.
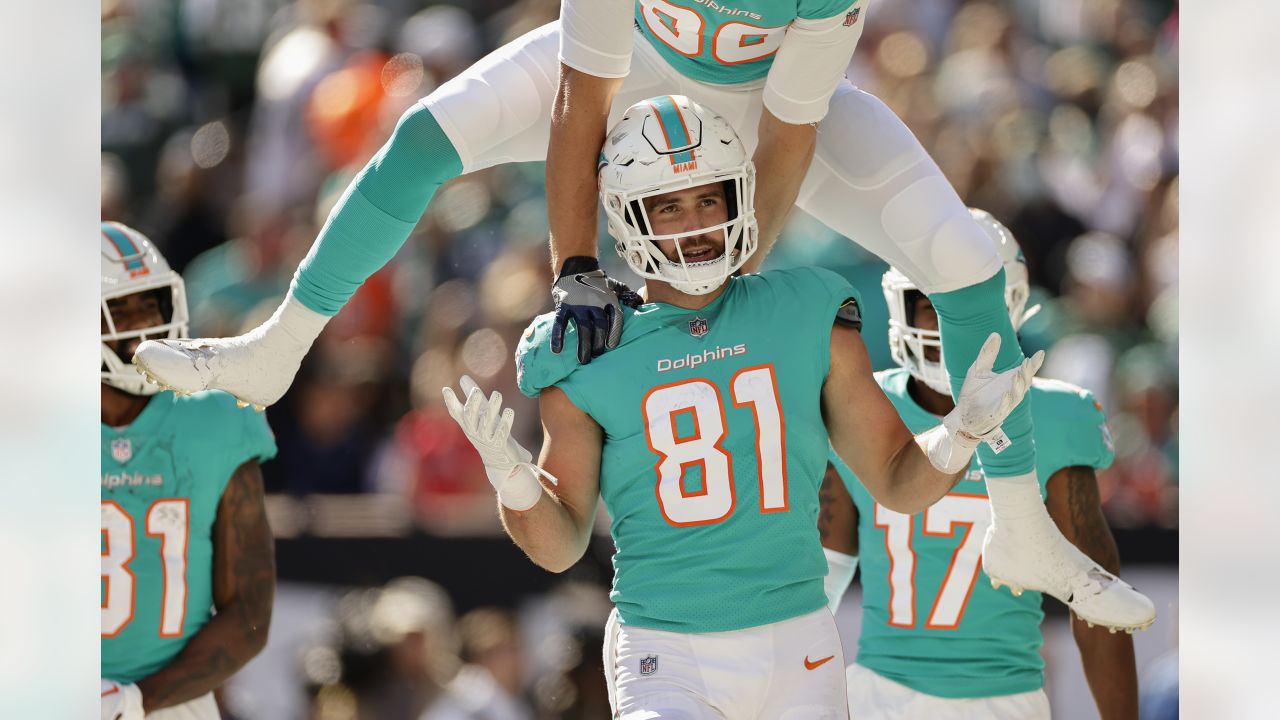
(755, 387)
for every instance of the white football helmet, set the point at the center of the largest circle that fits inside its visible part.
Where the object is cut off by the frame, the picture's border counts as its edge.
(131, 264)
(1017, 287)
(663, 144)
(907, 343)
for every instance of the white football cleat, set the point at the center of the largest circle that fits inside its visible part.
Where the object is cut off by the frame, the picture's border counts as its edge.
(232, 365)
(1037, 557)
(256, 368)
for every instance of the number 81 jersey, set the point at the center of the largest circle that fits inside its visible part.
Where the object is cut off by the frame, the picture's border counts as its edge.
(714, 449)
(162, 479)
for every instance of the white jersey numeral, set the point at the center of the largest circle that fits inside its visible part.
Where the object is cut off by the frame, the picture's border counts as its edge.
(701, 401)
(902, 565)
(758, 388)
(736, 43)
(117, 578)
(679, 28)
(971, 512)
(167, 518)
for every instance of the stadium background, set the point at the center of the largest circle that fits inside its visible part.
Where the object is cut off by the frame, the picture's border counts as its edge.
(230, 126)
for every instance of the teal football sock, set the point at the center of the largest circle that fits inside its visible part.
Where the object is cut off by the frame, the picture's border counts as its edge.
(966, 317)
(377, 212)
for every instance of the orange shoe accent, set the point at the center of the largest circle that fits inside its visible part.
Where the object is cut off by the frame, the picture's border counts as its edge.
(811, 665)
(116, 689)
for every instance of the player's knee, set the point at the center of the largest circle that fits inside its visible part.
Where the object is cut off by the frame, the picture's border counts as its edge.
(420, 135)
(946, 249)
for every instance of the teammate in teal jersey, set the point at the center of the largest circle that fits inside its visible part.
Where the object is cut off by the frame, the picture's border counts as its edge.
(184, 529)
(937, 641)
(705, 434)
(776, 71)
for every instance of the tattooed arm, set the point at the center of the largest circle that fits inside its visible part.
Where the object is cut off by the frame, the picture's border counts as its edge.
(837, 515)
(838, 530)
(244, 585)
(1108, 658)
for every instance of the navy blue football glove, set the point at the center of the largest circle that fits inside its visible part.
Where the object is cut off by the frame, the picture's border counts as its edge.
(593, 302)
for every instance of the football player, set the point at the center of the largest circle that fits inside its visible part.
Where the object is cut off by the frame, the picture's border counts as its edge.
(937, 641)
(184, 530)
(775, 70)
(704, 432)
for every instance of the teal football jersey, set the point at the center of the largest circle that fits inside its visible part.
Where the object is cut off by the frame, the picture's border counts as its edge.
(714, 449)
(162, 479)
(930, 618)
(728, 43)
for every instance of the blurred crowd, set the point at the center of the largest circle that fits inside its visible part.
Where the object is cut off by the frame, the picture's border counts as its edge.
(230, 127)
(400, 651)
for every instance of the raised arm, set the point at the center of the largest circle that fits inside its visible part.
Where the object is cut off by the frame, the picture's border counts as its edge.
(909, 473)
(551, 523)
(782, 160)
(595, 55)
(556, 530)
(1108, 658)
(870, 437)
(244, 584)
(578, 122)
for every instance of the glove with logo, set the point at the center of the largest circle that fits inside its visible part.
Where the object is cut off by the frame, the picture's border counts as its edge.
(986, 399)
(593, 301)
(121, 702)
(488, 426)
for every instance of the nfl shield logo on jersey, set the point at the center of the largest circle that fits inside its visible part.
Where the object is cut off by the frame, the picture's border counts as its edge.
(851, 17)
(699, 327)
(648, 664)
(121, 450)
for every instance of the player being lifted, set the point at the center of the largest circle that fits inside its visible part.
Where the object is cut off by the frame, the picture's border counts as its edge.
(184, 529)
(774, 70)
(937, 641)
(705, 431)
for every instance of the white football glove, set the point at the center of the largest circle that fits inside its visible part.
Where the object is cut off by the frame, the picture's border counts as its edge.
(986, 399)
(488, 427)
(120, 701)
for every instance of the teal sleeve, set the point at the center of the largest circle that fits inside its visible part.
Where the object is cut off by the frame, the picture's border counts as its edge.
(1071, 429)
(258, 443)
(536, 366)
(1090, 438)
(822, 293)
(820, 9)
(377, 212)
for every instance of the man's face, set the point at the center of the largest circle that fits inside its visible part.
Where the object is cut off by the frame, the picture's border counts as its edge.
(922, 315)
(133, 312)
(688, 210)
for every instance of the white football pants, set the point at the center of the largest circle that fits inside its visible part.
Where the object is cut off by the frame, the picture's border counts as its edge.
(875, 697)
(789, 670)
(202, 708)
(870, 179)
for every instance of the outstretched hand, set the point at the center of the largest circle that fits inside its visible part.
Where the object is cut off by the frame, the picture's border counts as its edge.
(987, 397)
